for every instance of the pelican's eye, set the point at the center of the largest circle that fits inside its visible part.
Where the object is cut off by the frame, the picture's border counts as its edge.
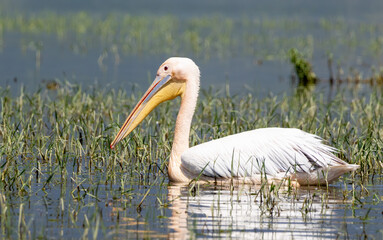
(166, 68)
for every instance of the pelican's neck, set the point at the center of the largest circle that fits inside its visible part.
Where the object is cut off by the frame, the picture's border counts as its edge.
(182, 129)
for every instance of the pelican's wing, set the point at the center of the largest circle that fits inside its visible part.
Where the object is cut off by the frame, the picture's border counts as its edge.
(271, 151)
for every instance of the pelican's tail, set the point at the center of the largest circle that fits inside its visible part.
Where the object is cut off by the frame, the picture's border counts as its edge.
(324, 175)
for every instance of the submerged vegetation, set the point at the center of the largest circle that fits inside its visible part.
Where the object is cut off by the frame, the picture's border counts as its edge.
(55, 144)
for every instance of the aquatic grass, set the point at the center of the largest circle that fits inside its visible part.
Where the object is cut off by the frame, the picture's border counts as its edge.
(303, 68)
(55, 151)
(205, 36)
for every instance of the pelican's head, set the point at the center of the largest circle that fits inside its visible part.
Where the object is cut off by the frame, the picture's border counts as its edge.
(171, 81)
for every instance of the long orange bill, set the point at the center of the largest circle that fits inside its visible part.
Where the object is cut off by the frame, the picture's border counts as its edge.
(146, 104)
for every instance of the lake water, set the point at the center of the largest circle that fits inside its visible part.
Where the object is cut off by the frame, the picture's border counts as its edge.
(94, 206)
(352, 34)
(89, 207)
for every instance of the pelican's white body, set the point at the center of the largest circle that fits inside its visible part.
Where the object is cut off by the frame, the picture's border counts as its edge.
(271, 153)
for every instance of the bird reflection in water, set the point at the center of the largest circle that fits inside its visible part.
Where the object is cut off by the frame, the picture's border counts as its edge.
(253, 212)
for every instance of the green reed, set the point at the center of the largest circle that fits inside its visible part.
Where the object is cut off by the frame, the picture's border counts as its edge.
(72, 126)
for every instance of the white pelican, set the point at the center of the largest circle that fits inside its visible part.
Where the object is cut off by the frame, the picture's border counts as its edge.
(271, 153)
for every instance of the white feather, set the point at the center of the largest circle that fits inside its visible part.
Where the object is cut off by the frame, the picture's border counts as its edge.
(274, 152)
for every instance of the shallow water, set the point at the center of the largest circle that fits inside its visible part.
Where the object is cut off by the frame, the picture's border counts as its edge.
(306, 213)
(90, 204)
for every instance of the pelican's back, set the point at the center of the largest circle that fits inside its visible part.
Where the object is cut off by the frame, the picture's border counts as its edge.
(274, 153)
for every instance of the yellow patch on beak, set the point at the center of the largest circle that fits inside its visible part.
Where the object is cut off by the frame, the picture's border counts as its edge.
(161, 90)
